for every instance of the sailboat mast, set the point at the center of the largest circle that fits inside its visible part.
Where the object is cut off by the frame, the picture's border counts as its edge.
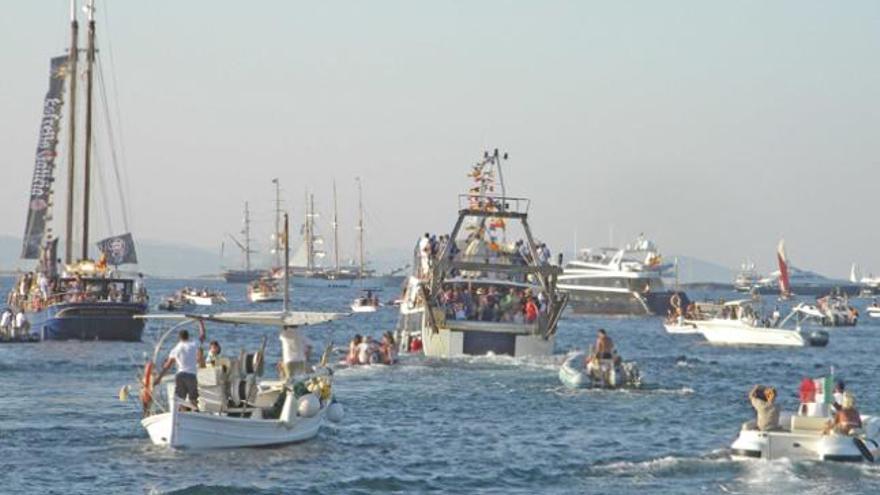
(311, 231)
(335, 230)
(360, 227)
(87, 162)
(247, 238)
(308, 233)
(277, 220)
(286, 244)
(71, 132)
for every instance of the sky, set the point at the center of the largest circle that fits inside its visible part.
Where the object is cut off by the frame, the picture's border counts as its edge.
(716, 128)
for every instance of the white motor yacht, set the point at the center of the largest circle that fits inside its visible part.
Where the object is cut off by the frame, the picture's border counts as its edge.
(738, 323)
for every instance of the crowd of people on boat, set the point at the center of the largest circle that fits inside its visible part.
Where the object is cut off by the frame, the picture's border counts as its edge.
(365, 350)
(492, 303)
(845, 418)
(34, 291)
(430, 246)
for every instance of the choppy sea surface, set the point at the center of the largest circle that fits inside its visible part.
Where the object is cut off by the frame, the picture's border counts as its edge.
(477, 425)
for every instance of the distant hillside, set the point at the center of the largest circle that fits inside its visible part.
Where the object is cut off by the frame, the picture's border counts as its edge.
(693, 270)
(166, 259)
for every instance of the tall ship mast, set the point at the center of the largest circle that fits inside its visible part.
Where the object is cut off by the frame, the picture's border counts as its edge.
(485, 287)
(247, 273)
(86, 299)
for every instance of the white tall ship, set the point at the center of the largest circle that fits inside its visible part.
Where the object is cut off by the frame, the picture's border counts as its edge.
(472, 296)
(626, 281)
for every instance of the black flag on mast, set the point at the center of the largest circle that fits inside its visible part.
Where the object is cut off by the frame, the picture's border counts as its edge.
(119, 250)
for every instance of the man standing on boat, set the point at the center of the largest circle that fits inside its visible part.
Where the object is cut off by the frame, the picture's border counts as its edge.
(186, 355)
(294, 352)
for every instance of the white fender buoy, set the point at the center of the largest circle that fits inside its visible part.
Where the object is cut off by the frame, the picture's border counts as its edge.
(308, 406)
(335, 412)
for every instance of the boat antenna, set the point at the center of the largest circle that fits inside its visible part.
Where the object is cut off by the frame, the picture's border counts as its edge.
(335, 229)
(286, 265)
(87, 165)
(247, 237)
(277, 219)
(72, 57)
(360, 227)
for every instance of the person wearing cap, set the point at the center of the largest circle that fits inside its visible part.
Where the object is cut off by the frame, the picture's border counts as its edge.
(767, 412)
(847, 418)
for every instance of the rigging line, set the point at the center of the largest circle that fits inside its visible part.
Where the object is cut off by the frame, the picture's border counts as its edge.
(104, 205)
(112, 144)
(116, 100)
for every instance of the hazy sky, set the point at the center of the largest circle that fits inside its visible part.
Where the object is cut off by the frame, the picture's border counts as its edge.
(714, 127)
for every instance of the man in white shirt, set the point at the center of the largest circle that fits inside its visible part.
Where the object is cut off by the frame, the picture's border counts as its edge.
(6, 322)
(186, 355)
(425, 254)
(21, 325)
(294, 352)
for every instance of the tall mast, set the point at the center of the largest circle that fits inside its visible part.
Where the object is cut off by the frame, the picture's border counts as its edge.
(335, 230)
(247, 237)
(286, 244)
(311, 231)
(87, 162)
(71, 132)
(360, 227)
(308, 232)
(277, 221)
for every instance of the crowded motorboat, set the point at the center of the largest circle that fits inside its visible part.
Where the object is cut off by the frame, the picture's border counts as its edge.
(600, 367)
(827, 426)
(740, 322)
(837, 311)
(203, 296)
(488, 286)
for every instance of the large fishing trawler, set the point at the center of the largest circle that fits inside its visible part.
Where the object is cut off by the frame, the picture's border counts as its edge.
(487, 287)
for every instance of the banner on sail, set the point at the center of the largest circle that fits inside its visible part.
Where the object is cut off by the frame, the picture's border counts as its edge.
(44, 165)
(118, 250)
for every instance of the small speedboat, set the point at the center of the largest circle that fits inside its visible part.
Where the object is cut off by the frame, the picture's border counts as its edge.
(802, 436)
(738, 323)
(873, 310)
(681, 327)
(366, 303)
(202, 297)
(264, 290)
(599, 373)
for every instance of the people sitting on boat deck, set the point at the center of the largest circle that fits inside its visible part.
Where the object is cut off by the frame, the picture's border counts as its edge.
(847, 419)
(767, 412)
(186, 356)
(494, 304)
(604, 346)
(213, 353)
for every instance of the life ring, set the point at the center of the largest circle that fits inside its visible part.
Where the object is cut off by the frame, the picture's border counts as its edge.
(147, 386)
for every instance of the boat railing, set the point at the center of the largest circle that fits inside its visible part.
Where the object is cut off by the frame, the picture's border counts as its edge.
(489, 204)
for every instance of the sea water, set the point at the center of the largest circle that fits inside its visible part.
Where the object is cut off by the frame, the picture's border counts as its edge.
(475, 425)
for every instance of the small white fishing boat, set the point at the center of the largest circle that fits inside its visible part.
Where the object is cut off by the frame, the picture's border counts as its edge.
(802, 436)
(264, 290)
(366, 303)
(202, 297)
(236, 408)
(874, 310)
(680, 326)
(598, 373)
